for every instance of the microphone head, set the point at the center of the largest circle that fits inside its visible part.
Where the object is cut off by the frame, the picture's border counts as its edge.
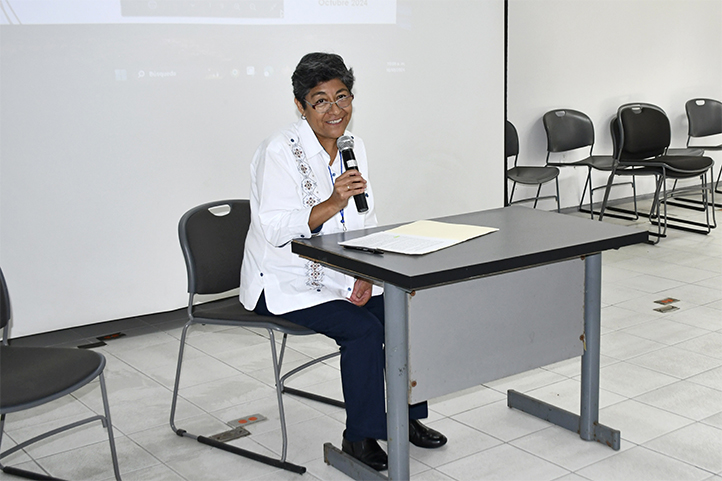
(344, 142)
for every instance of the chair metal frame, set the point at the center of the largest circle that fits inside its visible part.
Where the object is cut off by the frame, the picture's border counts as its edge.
(527, 175)
(5, 322)
(223, 226)
(704, 119)
(568, 130)
(645, 154)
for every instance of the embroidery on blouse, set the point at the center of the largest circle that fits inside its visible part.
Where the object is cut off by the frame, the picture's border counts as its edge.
(314, 270)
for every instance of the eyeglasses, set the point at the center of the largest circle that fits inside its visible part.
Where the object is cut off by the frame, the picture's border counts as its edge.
(323, 106)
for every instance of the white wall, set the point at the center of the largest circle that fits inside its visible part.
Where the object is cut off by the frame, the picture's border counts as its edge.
(595, 55)
(98, 162)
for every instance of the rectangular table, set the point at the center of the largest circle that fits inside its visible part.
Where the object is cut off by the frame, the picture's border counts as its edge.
(514, 300)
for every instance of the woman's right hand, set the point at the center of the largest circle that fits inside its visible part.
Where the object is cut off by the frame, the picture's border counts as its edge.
(347, 185)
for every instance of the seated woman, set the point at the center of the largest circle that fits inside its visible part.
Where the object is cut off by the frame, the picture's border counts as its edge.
(299, 188)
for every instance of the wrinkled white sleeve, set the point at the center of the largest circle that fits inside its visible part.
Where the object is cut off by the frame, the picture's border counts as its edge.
(282, 215)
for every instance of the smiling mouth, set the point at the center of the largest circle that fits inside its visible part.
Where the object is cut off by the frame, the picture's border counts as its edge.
(334, 122)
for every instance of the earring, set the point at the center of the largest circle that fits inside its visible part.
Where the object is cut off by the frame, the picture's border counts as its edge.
(303, 117)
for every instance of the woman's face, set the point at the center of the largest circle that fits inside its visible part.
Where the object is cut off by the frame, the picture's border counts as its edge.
(330, 125)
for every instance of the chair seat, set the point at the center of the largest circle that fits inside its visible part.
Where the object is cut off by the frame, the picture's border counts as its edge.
(31, 376)
(686, 151)
(600, 162)
(532, 175)
(233, 311)
(709, 147)
(679, 167)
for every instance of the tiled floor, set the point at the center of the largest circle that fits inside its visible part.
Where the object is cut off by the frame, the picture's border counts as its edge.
(661, 385)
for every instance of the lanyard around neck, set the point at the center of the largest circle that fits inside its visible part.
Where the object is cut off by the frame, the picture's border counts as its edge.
(333, 184)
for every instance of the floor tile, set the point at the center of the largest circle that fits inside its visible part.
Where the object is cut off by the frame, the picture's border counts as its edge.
(697, 444)
(639, 422)
(641, 464)
(503, 462)
(564, 448)
(676, 362)
(686, 399)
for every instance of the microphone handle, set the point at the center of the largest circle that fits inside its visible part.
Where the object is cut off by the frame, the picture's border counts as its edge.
(349, 162)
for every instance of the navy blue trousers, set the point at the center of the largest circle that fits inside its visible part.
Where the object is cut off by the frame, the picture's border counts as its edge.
(359, 332)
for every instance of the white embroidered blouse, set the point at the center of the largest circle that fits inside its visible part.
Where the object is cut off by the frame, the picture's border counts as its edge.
(290, 173)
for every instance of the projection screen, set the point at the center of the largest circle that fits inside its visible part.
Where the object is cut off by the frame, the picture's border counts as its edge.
(117, 116)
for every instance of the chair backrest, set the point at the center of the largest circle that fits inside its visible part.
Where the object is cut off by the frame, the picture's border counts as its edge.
(212, 237)
(567, 130)
(704, 117)
(616, 136)
(511, 141)
(644, 131)
(5, 312)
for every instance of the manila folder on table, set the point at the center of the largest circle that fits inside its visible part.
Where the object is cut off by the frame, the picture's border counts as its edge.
(420, 237)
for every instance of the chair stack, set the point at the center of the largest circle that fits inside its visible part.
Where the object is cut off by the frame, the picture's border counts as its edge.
(641, 137)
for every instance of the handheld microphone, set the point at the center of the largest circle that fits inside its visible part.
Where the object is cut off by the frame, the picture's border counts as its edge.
(345, 146)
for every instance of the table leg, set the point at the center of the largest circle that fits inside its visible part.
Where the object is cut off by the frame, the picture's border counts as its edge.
(589, 427)
(589, 413)
(587, 422)
(397, 380)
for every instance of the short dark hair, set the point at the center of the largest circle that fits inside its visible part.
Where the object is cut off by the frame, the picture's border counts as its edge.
(318, 67)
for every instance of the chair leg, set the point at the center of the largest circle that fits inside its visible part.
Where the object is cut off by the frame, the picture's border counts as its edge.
(278, 463)
(279, 395)
(109, 426)
(306, 394)
(176, 384)
(712, 191)
(588, 183)
(559, 207)
(536, 199)
(606, 193)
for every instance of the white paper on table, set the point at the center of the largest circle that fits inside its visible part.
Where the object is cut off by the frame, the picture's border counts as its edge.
(420, 237)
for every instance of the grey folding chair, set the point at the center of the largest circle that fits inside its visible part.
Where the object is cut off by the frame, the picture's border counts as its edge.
(212, 237)
(33, 376)
(642, 135)
(569, 130)
(527, 175)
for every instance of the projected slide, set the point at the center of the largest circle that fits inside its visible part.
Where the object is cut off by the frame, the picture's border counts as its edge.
(248, 12)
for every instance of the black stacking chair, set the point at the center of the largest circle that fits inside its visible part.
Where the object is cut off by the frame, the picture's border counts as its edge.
(527, 175)
(212, 237)
(570, 130)
(704, 117)
(642, 135)
(33, 376)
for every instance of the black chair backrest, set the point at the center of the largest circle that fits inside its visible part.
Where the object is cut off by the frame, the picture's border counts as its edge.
(644, 131)
(511, 140)
(212, 238)
(567, 130)
(616, 136)
(4, 303)
(704, 117)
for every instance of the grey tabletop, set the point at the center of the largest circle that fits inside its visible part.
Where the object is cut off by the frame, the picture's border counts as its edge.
(526, 237)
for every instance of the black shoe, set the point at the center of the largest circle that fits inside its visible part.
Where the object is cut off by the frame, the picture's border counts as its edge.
(424, 437)
(368, 452)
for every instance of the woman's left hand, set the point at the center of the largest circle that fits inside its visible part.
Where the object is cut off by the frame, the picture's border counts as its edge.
(361, 292)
